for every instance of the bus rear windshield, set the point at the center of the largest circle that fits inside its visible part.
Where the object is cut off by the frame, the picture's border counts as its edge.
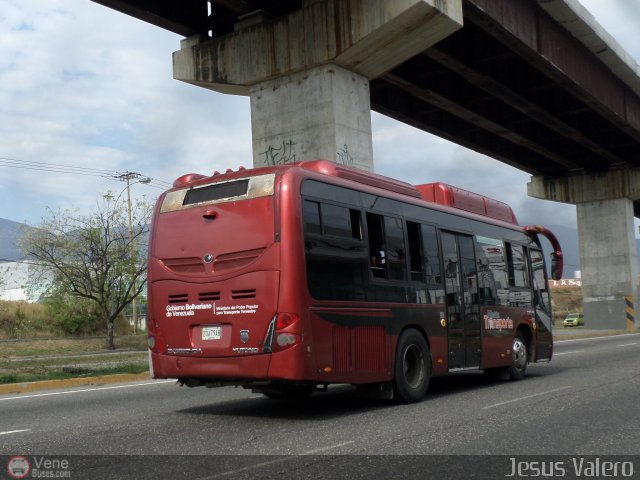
(216, 191)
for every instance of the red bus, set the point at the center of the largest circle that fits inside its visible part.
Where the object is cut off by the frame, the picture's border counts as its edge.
(287, 279)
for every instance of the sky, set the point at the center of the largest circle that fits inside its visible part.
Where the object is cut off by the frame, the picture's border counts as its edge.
(84, 86)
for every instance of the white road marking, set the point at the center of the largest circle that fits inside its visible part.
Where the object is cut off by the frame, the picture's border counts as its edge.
(274, 461)
(14, 431)
(591, 339)
(250, 467)
(68, 392)
(527, 397)
(324, 449)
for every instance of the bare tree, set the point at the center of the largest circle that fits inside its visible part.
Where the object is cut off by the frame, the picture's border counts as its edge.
(100, 257)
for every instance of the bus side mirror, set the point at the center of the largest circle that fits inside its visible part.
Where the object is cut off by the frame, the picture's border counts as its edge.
(555, 275)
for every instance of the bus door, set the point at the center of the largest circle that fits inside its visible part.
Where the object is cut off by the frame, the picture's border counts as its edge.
(542, 305)
(463, 310)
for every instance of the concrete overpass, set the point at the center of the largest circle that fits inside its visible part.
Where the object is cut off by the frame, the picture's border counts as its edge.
(536, 84)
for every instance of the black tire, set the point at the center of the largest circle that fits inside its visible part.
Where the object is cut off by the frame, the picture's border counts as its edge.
(412, 367)
(520, 357)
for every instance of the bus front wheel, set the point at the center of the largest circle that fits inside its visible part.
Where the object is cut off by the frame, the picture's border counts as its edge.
(412, 367)
(520, 358)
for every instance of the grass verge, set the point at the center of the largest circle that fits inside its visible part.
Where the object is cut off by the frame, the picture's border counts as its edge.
(68, 346)
(63, 358)
(23, 377)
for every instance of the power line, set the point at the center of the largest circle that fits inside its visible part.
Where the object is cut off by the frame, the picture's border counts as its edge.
(74, 170)
(11, 163)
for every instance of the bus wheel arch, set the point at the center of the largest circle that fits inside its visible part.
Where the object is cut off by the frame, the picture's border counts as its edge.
(412, 367)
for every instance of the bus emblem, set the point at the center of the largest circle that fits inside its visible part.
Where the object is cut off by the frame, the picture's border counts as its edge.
(244, 336)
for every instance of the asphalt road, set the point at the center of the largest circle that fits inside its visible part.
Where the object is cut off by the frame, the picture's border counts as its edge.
(583, 403)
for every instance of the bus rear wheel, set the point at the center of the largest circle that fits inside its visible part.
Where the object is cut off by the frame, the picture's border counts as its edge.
(412, 367)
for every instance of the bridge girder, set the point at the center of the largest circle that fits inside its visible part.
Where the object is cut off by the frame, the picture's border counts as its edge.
(513, 83)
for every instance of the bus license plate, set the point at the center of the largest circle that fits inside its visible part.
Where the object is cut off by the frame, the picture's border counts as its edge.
(212, 333)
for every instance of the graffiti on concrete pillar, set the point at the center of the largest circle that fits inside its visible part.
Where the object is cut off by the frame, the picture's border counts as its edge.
(280, 154)
(344, 157)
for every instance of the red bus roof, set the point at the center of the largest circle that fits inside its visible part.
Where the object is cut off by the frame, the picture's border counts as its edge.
(461, 199)
(361, 176)
(438, 192)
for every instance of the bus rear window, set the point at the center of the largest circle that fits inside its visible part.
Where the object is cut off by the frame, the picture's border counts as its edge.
(216, 191)
(219, 192)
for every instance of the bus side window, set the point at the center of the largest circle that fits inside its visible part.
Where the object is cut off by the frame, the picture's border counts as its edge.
(519, 293)
(356, 224)
(311, 217)
(432, 260)
(340, 221)
(416, 254)
(377, 250)
(335, 255)
(541, 294)
(386, 247)
(396, 254)
(517, 266)
(492, 271)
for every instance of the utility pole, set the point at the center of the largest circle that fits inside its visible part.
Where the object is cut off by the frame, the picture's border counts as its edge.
(127, 177)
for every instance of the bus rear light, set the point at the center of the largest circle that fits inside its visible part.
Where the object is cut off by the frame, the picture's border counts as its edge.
(285, 339)
(282, 340)
(286, 320)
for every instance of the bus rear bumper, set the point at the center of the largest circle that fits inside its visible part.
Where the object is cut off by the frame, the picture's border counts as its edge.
(228, 370)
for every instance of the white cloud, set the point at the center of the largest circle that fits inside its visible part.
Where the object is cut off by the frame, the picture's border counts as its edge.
(87, 86)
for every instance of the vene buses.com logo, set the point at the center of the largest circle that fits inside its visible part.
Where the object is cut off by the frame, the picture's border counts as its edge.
(38, 467)
(18, 467)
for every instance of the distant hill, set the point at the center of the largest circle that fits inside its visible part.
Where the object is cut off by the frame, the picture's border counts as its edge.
(10, 232)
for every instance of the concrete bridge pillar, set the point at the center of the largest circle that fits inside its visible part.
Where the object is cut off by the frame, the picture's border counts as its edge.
(323, 112)
(608, 253)
(608, 261)
(307, 73)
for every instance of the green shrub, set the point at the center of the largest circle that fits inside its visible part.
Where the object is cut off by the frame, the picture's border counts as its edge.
(58, 315)
(73, 316)
(22, 320)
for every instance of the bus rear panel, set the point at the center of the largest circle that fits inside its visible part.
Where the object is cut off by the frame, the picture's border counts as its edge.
(214, 277)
